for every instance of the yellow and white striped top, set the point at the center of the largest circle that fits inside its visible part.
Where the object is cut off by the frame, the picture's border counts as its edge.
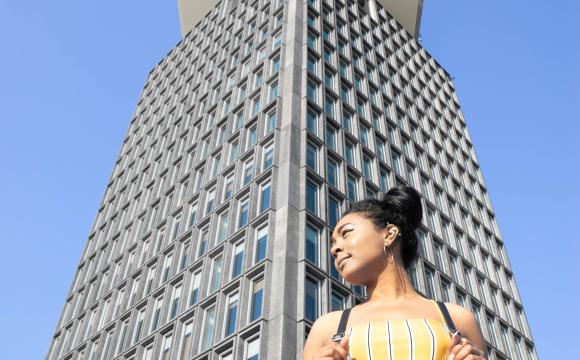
(398, 339)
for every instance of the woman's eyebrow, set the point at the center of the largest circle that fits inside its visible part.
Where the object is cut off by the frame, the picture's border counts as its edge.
(338, 230)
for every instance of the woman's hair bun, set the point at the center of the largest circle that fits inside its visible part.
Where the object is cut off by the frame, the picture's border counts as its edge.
(407, 201)
(400, 206)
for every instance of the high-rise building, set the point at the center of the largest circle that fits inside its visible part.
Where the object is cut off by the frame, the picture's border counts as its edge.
(250, 138)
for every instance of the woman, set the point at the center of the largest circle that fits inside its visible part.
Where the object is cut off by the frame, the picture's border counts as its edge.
(374, 244)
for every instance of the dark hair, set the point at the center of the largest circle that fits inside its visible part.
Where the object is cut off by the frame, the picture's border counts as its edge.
(401, 206)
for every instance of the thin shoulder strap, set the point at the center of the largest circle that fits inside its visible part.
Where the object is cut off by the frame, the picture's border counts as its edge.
(446, 316)
(342, 325)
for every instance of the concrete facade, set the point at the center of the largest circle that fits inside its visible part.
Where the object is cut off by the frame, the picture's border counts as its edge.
(407, 12)
(250, 137)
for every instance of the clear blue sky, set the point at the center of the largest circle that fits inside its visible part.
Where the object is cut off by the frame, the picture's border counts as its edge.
(71, 73)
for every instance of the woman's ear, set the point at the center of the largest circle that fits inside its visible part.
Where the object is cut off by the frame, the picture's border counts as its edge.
(391, 233)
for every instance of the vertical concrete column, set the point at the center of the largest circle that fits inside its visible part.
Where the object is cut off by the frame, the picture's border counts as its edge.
(283, 293)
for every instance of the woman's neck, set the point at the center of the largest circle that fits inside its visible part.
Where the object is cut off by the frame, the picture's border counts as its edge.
(392, 285)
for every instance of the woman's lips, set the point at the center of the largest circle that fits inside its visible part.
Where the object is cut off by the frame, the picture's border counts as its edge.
(343, 261)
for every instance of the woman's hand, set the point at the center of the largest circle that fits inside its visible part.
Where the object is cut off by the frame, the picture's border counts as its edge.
(462, 348)
(333, 350)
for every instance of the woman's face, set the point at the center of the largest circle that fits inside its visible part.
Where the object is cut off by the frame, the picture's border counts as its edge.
(356, 239)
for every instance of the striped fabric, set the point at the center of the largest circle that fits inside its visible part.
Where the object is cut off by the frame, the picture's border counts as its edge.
(398, 339)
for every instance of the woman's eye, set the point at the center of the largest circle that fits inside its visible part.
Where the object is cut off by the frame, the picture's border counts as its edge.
(345, 232)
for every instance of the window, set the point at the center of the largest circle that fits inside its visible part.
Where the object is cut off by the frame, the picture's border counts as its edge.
(237, 267)
(175, 230)
(208, 328)
(311, 40)
(184, 256)
(367, 167)
(329, 105)
(261, 244)
(121, 338)
(312, 121)
(453, 266)
(265, 194)
(351, 188)
(203, 242)
(364, 135)
(243, 213)
(312, 64)
(312, 156)
(256, 303)
(272, 120)
(258, 79)
(223, 226)
(333, 211)
(518, 346)
(438, 249)
(329, 79)
(273, 91)
(255, 105)
(234, 151)
(138, 326)
(328, 54)
(232, 314)
(268, 157)
(343, 69)
(311, 19)
(349, 153)
(311, 299)
(210, 201)
(175, 301)
(445, 291)
(243, 92)
(395, 161)
(186, 340)
(216, 274)
(337, 301)
(248, 172)
(311, 90)
(347, 120)
(506, 341)
(431, 219)
(332, 172)
(312, 244)
(167, 267)
(330, 136)
(150, 279)
(253, 350)
(277, 41)
(105, 353)
(155, 318)
(430, 283)
(252, 136)
(312, 197)
(159, 238)
(276, 64)
(491, 330)
(384, 180)
(216, 166)
(229, 187)
(411, 175)
(195, 283)
(467, 276)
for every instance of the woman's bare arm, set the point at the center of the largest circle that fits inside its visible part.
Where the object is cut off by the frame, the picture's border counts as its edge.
(322, 329)
(467, 324)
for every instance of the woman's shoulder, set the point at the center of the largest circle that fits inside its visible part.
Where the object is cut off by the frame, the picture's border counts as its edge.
(326, 325)
(321, 332)
(463, 318)
(329, 321)
(458, 312)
